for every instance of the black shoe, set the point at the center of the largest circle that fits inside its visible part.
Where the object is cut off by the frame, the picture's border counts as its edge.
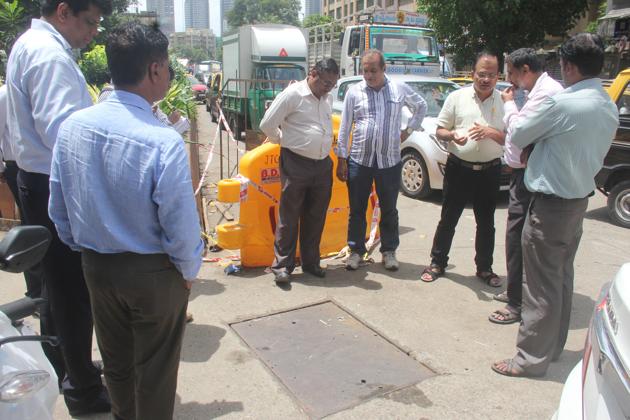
(282, 277)
(315, 270)
(100, 404)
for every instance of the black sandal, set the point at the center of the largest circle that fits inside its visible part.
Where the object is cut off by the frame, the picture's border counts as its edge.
(434, 271)
(490, 278)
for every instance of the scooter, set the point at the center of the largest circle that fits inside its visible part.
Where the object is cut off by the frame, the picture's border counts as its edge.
(28, 383)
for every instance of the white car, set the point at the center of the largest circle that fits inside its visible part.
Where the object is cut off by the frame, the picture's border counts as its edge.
(599, 385)
(423, 154)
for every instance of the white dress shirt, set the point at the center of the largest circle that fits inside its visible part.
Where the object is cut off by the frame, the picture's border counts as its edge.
(305, 120)
(45, 86)
(544, 88)
(5, 152)
(461, 110)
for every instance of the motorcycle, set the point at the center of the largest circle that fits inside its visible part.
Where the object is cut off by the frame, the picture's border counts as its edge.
(28, 383)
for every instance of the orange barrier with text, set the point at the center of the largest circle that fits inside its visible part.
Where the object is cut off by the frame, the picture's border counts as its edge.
(257, 188)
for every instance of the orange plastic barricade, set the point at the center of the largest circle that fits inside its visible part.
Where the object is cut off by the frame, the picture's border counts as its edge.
(257, 188)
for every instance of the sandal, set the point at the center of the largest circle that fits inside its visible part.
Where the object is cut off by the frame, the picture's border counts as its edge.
(490, 278)
(504, 316)
(502, 297)
(508, 367)
(433, 272)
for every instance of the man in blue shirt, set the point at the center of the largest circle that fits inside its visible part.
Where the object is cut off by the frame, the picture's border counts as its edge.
(121, 193)
(571, 133)
(45, 86)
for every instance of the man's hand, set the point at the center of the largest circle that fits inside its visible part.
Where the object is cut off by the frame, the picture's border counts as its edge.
(508, 94)
(478, 132)
(404, 135)
(342, 169)
(188, 284)
(3, 179)
(457, 139)
(174, 116)
(525, 154)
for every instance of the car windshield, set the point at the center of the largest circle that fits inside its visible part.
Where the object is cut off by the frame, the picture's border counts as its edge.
(434, 93)
(404, 43)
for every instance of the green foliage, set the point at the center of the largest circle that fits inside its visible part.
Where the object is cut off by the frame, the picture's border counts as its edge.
(501, 26)
(264, 11)
(179, 97)
(315, 20)
(601, 11)
(12, 21)
(93, 64)
(195, 55)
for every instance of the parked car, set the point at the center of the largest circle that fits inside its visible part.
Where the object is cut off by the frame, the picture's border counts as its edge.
(198, 89)
(423, 154)
(599, 385)
(613, 180)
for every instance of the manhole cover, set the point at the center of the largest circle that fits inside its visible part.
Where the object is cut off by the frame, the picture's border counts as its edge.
(327, 358)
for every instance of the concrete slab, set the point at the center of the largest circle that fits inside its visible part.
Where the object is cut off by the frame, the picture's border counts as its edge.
(327, 358)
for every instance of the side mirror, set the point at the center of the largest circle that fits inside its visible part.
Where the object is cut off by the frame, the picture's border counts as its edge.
(23, 247)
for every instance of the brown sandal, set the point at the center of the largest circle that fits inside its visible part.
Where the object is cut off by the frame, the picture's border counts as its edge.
(504, 316)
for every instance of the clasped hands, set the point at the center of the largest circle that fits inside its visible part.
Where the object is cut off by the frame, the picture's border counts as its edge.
(476, 132)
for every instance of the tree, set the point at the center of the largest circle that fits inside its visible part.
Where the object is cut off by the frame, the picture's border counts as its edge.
(93, 65)
(315, 20)
(12, 21)
(264, 11)
(500, 26)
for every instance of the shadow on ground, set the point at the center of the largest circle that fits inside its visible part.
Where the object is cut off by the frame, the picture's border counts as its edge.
(195, 410)
(200, 342)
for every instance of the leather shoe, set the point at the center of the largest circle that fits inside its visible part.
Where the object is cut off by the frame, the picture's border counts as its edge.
(100, 404)
(315, 270)
(282, 277)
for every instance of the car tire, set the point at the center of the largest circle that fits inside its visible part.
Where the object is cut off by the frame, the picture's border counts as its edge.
(414, 177)
(619, 204)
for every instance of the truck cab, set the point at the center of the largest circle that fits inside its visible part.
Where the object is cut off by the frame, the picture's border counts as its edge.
(613, 179)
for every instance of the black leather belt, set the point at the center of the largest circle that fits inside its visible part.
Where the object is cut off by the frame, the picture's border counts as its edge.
(475, 166)
(556, 197)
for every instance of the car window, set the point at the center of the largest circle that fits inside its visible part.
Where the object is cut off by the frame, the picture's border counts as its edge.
(623, 103)
(434, 93)
(343, 89)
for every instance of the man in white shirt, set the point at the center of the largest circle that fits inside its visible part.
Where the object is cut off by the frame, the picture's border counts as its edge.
(45, 86)
(471, 121)
(8, 174)
(525, 71)
(304, 111)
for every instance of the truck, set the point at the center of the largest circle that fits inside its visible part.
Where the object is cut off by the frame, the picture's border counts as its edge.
(259, 61)
(613, 180)
(408, 45)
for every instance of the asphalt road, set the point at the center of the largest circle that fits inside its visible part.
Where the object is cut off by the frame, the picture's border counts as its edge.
(442, 325)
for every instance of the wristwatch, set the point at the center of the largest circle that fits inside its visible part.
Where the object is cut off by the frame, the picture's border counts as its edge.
(409, 130)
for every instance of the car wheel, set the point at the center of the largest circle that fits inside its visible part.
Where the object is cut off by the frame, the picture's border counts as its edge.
(414, 178)
(619, 204)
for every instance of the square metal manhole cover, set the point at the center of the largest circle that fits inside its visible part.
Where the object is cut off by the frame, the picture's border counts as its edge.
(327, 358)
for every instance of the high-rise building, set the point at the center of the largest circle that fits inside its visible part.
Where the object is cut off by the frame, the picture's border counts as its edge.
(344, 9)
(165, 10)
(226, 7)
(196, 14)
(312, 7)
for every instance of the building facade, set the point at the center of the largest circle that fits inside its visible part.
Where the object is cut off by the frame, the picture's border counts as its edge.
(312, 7)
(196, 13)
(226, 7)
(194, 38)
(345, 9)
(165, 10)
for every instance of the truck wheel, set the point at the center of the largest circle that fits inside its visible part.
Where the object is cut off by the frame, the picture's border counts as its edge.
(619, 204)
(414, 177)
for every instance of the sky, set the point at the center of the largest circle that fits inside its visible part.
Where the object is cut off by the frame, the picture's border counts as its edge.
(215, 19)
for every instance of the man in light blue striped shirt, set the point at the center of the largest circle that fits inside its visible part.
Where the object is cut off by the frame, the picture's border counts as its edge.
(572, 132)
(375, 107)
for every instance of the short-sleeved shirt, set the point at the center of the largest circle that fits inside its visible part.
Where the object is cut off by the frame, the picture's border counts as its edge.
(461, 110)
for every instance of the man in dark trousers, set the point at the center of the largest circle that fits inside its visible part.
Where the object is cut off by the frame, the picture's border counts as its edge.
(45, 86)
(571, 133)
(525, 71)
(139, 265)
(304, 111)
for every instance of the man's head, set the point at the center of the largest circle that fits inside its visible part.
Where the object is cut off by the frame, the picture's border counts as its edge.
(137, 56)
(323, 77)
(373, 63)
(524, 68)
(485, 74)
(581, 57)
(76, 20)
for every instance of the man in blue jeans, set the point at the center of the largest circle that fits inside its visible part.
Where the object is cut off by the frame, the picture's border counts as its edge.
(375, 107)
